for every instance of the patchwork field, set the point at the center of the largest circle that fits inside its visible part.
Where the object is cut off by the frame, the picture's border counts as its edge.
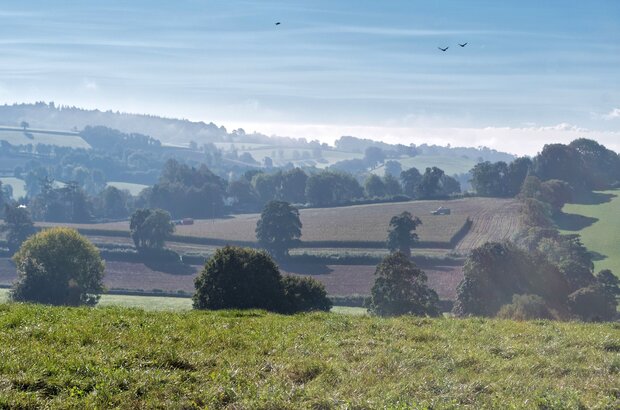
(17, 136)
(130, 358)
(366, 225)
(599, 227)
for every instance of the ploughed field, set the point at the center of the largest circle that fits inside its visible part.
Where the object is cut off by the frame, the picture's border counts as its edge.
(365, 225)
(130, 358)
(339, 280)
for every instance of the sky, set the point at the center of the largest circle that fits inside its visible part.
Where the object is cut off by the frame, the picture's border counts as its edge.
(533, 72)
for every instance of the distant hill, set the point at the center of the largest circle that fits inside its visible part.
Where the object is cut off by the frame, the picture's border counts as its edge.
(181, 132)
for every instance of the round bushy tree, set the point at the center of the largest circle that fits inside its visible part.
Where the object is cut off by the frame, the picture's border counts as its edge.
(304, 294)
(400, 289)
(400, 234)
(58, 266)
(278, 228)
(239, 278)
(150, 228)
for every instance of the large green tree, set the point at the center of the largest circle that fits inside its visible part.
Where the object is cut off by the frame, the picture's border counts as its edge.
(239, 278)
(18, 226)
(150, 228)
(58, 266)
(494, 272)
(400, 289)
(279, 228)
(401, 235)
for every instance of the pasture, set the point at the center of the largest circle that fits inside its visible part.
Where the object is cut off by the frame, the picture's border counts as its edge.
(599, 227)
(131, 358)
(362, 226)
(18, 185)
(17, 136)
(134, 189)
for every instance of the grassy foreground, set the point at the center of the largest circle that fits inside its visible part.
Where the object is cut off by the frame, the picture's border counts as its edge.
(130, 358)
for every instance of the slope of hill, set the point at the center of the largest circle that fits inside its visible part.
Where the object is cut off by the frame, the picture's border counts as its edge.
(19, 136)
(129, 358)
(599, 226)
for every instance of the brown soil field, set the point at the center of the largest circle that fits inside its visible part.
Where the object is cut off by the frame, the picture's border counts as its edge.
(493, 219)
(338, 279)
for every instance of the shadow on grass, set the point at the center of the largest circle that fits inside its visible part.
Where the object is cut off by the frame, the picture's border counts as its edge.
(597, 256)
(305, 268)
(594, 198)
(574, 222)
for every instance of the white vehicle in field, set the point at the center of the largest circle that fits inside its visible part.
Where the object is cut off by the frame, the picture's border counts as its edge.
(441, 211)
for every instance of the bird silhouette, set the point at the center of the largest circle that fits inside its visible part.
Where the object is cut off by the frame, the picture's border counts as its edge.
(463, 45)
(444, 49)
(278, 23)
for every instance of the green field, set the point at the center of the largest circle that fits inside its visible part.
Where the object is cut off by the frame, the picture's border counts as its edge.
(166, 303)
(19, 186)
(130, 358)
(603, 234)
(16, 136)
(134, 189)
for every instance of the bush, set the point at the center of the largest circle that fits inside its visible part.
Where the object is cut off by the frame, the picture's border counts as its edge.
(303, 294)
(494, 272)
(58, 266)
(525, 307)
(239, 278)
(592, 304)
(401, 289)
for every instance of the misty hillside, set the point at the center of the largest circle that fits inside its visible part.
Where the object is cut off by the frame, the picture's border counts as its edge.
(172, 131)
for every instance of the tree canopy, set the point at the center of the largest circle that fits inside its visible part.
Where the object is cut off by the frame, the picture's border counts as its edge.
(58, 266)
(279, 228)
(400, 289)
(18, 226)
(401, 235)
(150, 228)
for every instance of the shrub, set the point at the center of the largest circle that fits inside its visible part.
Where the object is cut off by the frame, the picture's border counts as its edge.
(303, 294)
(592, 304)
(400, 288)
(58, 266)
(239, 278)
(525, 307)
(494, 272)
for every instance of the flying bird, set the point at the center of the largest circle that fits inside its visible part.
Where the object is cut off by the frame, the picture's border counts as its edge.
(278, 23)
(444, 49)
(463, 45)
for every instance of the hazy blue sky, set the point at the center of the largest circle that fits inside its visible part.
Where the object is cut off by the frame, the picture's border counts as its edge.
(533, 71)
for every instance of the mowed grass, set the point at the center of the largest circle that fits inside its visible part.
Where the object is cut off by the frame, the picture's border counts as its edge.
(130, 358)
(602, 236)
(494, 219)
